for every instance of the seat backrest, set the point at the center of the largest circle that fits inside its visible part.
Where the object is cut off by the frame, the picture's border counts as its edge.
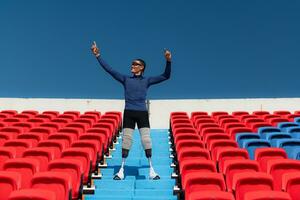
(58, 182)
(281, 166)
(32, 194)
(9, 182)
(190, 166)
(43, 154)
(291, 184)
(250, 181)
(231, 167)
(229, 153)
(193, 153)
(252, 144)
(197, 181)
(27, 167)
(263, 155)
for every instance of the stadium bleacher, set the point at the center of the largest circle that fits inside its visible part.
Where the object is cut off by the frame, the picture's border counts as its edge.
(69, 155)
(239, 156)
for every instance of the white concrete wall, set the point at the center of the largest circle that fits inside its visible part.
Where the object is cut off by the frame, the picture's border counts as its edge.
(159, 109)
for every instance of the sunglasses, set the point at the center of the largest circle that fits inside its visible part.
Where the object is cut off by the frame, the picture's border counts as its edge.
(136, 64)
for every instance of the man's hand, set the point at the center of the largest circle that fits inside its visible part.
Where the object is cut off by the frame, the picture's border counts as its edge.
(95, 49)
(168, 55)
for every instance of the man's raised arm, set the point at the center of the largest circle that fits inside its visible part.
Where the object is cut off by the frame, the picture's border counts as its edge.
(116, 75)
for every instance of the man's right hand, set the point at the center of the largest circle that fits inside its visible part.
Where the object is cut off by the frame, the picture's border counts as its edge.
(95, 49)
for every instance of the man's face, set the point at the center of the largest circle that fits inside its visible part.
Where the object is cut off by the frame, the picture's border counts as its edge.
(137, 67)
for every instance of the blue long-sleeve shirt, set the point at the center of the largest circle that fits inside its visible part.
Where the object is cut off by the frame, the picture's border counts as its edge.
(135, 87)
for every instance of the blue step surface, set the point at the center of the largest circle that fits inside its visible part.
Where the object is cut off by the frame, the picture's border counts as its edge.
(137, 185)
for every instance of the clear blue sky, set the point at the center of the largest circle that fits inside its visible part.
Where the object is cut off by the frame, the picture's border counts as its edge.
(221, 49)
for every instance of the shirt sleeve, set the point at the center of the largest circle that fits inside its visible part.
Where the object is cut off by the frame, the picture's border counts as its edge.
(116, 75)
(164, 76)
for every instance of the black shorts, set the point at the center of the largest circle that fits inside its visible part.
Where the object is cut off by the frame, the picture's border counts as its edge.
(132, 117)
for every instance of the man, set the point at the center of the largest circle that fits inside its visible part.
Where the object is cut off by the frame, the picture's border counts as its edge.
(135, 112)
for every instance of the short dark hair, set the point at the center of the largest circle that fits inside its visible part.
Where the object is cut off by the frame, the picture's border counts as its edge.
(143, 63)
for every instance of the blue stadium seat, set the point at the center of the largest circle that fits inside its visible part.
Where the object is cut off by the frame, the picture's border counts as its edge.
(284, 125)
(294, 132)
(252, 144)
(297, 120)
(242, 137)
(291, 146)
(273, 137)
(268, 129)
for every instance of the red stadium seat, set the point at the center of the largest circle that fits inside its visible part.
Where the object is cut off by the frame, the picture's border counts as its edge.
(291, 184)
(229, 153)
(9, 182)
(58, 182)
(229, 126)
(267, 195)
(35, 137)
(32, 194)
(185, 136)
(53, 125)
(26, 126)
(93, 146)
(215, 145)
(43, 154)
(200, 127)
(260, 113)
(238, 113)
(47, 117)
(5, 154)
(210, 138)
(56, 145)
(45, 130)
(275, 121)
(215, 136)
(197, 181)
(20, 145)
(98, 114)
(104, 134)
(220, 117)
(74, 169)
(196, 165)
(279, 167)
(179, 113)
(255, 126)
(263, 155)
(210, 195)
(51, 112)
(71, 112)
(68, 130)
(291, 117)
(251, 181)
(193, 153)
(282, 112)
(89, 122)
(10, 112)
(84, 156)
(27, 167)
(218, 113)
(37, 121)
(182, 144)
(206, 131)
(223, 122)
(232, 167)
(68, 117)
(184, 130)
(67, 138)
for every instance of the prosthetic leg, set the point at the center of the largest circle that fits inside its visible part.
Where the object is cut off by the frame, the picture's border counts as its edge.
(126, 145)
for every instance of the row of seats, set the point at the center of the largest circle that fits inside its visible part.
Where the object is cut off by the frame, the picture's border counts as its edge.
(53, 159)
(207, 144)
